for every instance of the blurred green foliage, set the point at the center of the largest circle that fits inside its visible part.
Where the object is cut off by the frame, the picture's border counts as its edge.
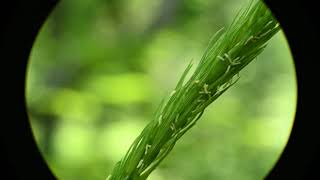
(98, 70)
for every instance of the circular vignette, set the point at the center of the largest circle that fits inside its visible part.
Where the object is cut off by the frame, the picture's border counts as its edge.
(23, 20)
(299, 158)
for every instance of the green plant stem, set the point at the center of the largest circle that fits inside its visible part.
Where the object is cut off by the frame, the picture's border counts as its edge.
(228, 52)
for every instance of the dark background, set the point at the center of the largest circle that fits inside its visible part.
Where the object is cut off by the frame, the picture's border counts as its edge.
(14, 86)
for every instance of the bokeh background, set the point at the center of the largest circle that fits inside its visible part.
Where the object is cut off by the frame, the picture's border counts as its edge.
(99, 68)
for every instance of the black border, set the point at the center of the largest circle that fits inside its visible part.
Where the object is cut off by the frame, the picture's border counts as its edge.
(300, 157)
(20, 23)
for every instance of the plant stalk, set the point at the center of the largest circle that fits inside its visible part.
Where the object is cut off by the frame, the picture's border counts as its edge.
(228, 52)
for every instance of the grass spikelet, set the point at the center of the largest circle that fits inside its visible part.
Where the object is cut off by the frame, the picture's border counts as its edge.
(228, 52)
